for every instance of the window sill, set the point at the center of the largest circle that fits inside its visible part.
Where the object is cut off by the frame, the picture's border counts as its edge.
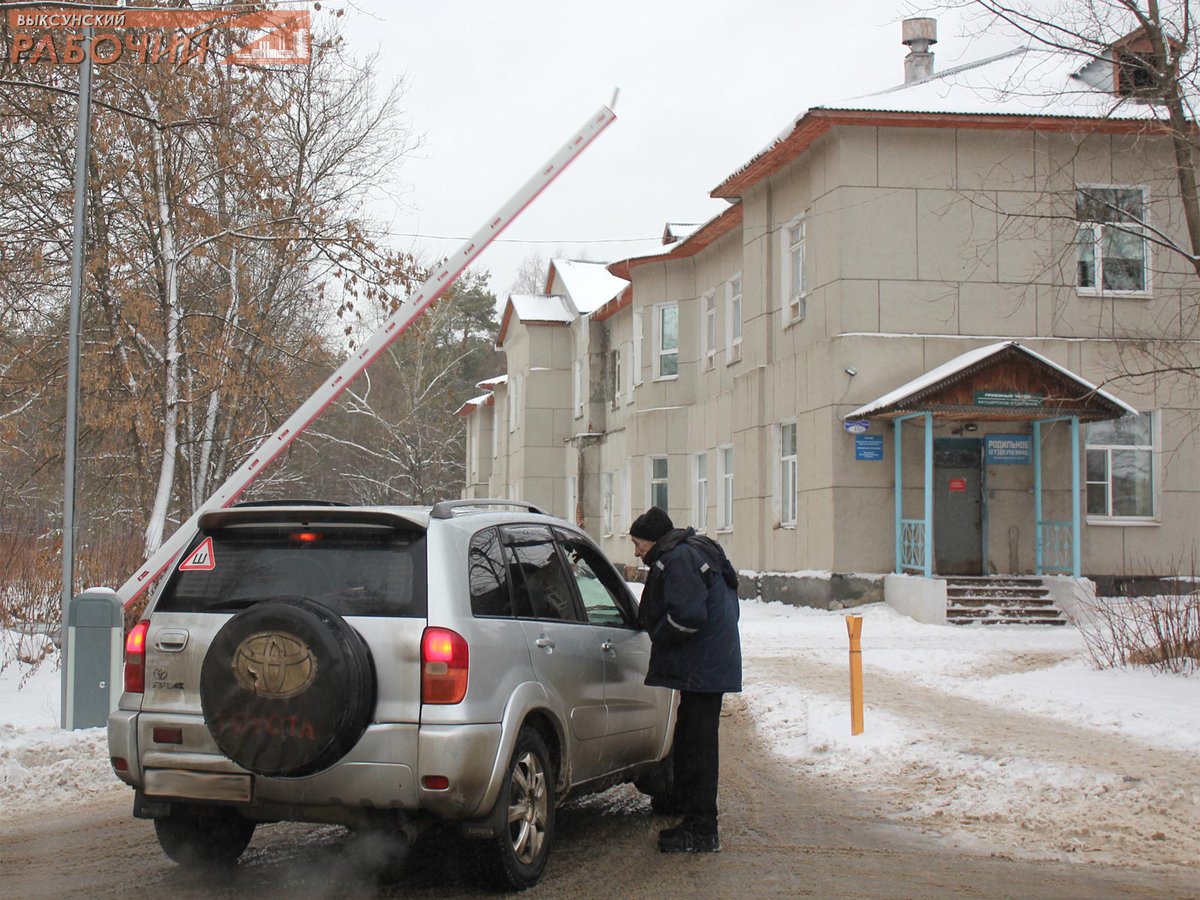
(667, 378)
(1113, 295)
(724, 531)
(792, 322)
(1107, 522)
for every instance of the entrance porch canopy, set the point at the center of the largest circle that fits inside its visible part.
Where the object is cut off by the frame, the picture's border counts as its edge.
(1001, 382)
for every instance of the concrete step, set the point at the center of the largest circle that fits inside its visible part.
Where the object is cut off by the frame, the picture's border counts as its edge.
(1012, 616)
(1010, 600)
(1000, 593)
(1008, 622)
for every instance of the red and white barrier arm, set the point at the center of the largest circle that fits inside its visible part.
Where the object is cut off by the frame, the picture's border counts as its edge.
(270, 448)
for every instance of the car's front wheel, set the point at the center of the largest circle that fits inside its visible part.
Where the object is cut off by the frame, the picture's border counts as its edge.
(206, 837)
(523, 818)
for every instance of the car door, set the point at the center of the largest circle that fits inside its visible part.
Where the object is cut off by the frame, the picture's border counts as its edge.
(638, 716)
(566, 657)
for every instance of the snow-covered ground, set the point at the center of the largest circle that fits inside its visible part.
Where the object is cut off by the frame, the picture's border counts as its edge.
(1003, 738)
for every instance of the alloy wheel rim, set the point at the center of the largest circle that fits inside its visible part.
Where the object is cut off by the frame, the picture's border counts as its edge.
(528, 808)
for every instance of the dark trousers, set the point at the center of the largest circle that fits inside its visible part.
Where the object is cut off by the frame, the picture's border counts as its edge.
(697, 763)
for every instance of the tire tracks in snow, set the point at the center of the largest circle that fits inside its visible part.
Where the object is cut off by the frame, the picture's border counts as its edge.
(1013, 782)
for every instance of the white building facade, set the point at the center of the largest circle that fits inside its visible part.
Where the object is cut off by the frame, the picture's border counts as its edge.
(986, 276)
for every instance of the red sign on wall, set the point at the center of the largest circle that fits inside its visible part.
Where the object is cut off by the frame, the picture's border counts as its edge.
(958, 485)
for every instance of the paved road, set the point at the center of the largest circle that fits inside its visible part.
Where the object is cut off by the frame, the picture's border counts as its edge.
(783, 837)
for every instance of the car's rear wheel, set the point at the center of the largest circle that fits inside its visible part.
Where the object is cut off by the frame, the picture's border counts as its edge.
(204, 837)
(514, 858)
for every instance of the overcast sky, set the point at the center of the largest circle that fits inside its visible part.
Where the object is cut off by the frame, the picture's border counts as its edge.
(496, 86)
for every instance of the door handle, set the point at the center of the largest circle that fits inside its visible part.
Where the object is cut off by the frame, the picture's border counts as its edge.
(172, 641)
(608, 647)
(544, 642)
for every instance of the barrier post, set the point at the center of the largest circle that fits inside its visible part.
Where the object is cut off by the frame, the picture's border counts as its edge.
(854, 629)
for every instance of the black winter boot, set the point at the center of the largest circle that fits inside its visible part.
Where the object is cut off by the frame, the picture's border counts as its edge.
(683, 839)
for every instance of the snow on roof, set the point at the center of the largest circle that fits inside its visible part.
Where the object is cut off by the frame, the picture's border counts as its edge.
(474, 403)
(965, 361)
(589, 284)
(1022, 82)
(493, 382)
(541, 308)
(679, 231)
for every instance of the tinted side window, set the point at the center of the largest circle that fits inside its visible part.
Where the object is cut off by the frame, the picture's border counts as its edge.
(605, 598)
(488, 575)
(353, 571)
(539, 583)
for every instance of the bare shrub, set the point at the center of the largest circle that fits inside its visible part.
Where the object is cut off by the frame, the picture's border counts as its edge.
(1161, 632)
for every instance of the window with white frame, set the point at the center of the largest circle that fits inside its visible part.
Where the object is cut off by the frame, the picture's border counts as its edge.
(514, 401)
(710, 330)
(658, 482)
(666, 340)
(700, 492)
(626, 497)
(572, 498)
(1120, 468)
(637, 349)
(1110, 240)
(795, 270)
(787, 474)
(631, 365)
(616, 378)
(733, 319)
(606, 499)
(578, 388)
(725, 496)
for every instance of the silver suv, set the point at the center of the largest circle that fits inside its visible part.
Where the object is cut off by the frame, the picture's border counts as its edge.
(385, 667)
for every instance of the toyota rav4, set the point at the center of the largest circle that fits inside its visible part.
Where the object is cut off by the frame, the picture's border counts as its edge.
(385, 667)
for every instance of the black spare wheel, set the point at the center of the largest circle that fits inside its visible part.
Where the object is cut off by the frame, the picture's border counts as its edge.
(287, 687)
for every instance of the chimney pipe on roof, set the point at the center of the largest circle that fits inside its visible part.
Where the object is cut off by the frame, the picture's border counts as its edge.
(918, 35)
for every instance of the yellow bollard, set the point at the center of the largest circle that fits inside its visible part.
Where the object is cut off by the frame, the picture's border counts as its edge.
(854, 629)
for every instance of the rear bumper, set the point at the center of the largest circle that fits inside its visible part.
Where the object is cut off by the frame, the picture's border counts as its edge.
(381, 772)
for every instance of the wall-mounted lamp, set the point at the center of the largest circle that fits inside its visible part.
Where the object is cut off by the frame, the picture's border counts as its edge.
(970, 426)
(851, 371)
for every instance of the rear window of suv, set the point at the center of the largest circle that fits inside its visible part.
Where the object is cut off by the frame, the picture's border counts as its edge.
(355, 571)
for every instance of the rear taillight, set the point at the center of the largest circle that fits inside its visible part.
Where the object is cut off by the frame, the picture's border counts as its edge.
(444, 665)
(135, 658)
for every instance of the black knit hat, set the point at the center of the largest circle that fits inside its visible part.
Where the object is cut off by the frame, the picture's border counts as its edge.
(651, 525)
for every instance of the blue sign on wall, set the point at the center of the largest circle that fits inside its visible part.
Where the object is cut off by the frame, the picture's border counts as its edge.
(1008, 449)
(868, 447)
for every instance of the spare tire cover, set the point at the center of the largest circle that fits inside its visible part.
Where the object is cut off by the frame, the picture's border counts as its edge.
(287, 687)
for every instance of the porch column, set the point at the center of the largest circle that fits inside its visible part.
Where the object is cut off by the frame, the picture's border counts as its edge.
(1037, 494)
(897, 452)
(928, 494)
(1076, 548)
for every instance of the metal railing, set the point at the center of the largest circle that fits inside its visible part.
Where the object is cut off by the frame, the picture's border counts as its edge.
(1056, 547)
(912, 545)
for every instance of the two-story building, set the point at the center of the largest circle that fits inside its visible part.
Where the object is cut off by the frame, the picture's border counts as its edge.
(938, 330)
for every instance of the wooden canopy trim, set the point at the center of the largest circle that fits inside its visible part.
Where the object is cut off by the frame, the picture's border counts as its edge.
(978, 390)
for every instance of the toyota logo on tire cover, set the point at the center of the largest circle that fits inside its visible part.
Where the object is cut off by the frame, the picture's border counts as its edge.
(274, 665)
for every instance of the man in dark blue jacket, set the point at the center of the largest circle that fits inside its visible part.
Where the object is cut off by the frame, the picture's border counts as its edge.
(690, 609)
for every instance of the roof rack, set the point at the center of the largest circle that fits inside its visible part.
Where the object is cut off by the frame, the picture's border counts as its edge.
(444, 509)
(290, 502)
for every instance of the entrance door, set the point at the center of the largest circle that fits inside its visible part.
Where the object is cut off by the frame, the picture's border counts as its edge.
(957, 506)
